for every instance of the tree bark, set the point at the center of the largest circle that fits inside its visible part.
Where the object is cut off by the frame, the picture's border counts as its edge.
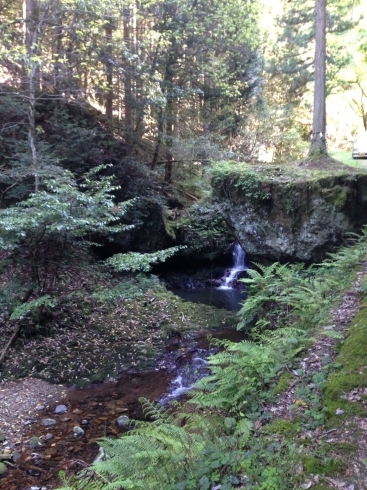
(318, 135)
(128, 81)
(109, 73)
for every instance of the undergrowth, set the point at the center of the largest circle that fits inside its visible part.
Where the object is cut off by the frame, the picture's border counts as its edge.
(221, 438)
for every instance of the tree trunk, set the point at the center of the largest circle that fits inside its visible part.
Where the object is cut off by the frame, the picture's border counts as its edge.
(318, 136)
(31, 77)
(128, 84)
(30, 38)
(109, 72)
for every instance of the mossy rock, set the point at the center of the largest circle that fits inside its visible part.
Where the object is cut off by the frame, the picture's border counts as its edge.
(283, 383)
(327, 467)
(286, 427)
(306, 213)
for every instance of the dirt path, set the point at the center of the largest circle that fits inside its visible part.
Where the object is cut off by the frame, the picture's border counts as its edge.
(351, 433)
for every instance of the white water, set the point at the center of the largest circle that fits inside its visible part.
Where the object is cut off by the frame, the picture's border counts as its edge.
(239, 265)
(186, 377)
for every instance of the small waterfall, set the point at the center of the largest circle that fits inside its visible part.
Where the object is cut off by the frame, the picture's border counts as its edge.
(239, 265)
(187, 376)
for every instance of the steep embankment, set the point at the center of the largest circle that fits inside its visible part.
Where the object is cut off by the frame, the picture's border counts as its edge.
(291, 213)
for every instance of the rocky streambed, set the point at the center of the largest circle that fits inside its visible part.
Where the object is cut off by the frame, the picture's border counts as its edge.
(60, 433)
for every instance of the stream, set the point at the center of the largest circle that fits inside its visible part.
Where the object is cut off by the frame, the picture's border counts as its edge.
(224, 292)
(97, 409)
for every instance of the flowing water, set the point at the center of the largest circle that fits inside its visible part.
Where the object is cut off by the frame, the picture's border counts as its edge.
(239, 265)
(225, 293)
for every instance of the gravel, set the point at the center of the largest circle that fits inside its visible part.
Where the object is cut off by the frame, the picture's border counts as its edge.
(20, 405)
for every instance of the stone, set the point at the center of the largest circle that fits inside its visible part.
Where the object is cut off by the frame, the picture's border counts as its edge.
(3, 469)
(77, 411)
(16, 456)
(39, 408)
(33, 472)
(48, 436)
(123, 421)
(35, 442)
(60, 409)
(84, 422)
(294, 213)
(78, 431)
(48, 422)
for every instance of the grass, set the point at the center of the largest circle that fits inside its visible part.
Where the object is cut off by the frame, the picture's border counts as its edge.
(345, 157)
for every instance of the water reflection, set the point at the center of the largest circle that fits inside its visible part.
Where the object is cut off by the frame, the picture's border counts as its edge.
(229, 299)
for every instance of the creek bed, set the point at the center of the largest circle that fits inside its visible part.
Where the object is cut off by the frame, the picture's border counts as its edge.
(95, 408)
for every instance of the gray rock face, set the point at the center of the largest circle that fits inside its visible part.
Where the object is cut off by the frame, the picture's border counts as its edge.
(299, 220)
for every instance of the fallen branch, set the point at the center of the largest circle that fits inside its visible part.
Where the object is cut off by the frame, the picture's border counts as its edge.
(190, 195)
(27, 295)
(10, 341)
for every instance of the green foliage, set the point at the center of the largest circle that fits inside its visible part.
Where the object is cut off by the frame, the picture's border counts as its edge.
(62, 212)
(283, 294)
(175, 450)
(20, 311)
(238, 375)
(230, 179)
(133, 261)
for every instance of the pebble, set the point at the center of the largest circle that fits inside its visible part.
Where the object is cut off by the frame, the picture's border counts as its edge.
(48, 422)
(16, 456)
(48, 436)
(33, 472)
(40, 408)
(60, 409)
(122, 421)
(77, 411)
(78, 431)
(84, 422)
(35, 442)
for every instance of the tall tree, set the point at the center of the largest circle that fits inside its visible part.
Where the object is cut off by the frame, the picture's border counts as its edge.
(318, 135)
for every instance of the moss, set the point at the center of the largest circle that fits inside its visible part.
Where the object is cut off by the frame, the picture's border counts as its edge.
(286, 427)
(353, 361)
(342, 447)
(337, 195)
(327, 467)
(283, 383)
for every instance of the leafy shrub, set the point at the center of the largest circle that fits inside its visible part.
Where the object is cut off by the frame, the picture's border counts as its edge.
(231, 180)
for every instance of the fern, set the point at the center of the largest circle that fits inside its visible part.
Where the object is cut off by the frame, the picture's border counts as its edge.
(238, 374)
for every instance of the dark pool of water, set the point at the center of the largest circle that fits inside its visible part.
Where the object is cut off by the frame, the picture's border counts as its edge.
(229, 299)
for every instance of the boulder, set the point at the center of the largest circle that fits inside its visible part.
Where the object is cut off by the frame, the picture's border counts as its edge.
(292, 213)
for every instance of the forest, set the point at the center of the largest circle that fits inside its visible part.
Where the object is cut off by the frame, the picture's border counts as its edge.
(140, 141)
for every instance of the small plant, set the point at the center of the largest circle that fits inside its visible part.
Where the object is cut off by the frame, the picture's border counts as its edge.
(231, 179)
